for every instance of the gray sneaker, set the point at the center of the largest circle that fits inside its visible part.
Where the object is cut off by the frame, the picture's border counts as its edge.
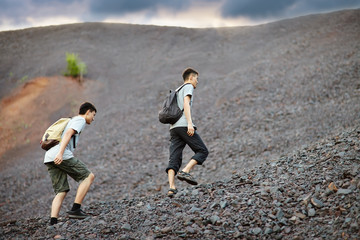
(183, 176)
(78, 214)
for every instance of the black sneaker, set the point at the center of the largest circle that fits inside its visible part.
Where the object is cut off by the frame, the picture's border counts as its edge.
(78, 214)
(183, 176)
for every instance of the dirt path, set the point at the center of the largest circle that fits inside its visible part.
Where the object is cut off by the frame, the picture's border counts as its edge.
(25, 113)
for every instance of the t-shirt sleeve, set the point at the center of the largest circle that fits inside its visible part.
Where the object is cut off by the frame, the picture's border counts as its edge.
(77, 124)
(188, 90)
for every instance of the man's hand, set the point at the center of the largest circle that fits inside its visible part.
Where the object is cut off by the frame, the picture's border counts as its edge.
(64, 142)
(190, 130)
(58, 159)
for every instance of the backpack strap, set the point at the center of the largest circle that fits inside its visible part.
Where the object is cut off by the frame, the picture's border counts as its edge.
(179, 88)
(73, 137)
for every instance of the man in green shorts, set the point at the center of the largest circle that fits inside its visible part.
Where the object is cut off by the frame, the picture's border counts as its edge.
(61, 162)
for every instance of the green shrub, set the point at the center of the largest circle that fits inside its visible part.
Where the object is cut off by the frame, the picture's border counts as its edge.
(75, 67)
(23, 79)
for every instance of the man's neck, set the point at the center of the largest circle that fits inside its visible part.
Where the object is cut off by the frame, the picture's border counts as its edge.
(187, 82)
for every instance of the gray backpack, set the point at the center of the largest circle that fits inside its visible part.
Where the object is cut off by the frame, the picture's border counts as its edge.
(171, 113)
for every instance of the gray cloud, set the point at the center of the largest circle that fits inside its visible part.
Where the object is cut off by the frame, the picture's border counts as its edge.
(13, 10)
(19, 11)
(49, 2)
(324, 5)
(8, 7)
(255, 8)
(261, 9)
(119, 7)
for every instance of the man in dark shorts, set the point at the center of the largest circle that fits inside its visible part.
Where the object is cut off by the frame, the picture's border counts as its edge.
(184, 132)
(61, 162)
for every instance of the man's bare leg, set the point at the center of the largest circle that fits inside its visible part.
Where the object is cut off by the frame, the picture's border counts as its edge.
(84, 188)
(172, 190)
(56, 204)
(171, 176)
(189, 166)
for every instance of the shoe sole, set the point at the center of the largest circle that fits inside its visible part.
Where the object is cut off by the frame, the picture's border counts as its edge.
(77, 217)
(171, 195)
(187, 180)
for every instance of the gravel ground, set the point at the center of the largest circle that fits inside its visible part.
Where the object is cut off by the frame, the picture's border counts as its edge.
(312, 193)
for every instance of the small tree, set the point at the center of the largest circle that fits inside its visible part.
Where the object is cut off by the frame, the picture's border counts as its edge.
(75, 67)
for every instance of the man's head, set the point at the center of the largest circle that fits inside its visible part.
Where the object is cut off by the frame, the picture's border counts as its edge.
(89, 111)
(191, 76)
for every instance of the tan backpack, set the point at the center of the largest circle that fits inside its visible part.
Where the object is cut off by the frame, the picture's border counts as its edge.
(52, 135)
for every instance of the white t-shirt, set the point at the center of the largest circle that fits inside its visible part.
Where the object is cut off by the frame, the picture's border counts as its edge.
(186, 90)
(78, 124)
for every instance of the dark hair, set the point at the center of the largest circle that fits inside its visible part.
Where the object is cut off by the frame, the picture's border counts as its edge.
(187, 72)
(86, 106)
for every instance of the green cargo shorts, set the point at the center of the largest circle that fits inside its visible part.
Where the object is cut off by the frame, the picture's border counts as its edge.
(73, 167)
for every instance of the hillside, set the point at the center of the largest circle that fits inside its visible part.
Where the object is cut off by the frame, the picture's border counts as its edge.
(264, 92)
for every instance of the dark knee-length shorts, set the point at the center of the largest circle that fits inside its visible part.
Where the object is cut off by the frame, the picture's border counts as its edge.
(179, 138)
(73, 167)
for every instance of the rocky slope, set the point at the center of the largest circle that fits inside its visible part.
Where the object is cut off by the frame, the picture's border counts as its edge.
(312, 193)
(264, 92)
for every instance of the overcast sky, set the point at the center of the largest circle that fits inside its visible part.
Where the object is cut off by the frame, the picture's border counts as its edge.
(18, 14)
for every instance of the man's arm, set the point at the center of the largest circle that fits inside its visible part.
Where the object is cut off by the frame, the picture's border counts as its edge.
(64, 142)
(187, 113)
